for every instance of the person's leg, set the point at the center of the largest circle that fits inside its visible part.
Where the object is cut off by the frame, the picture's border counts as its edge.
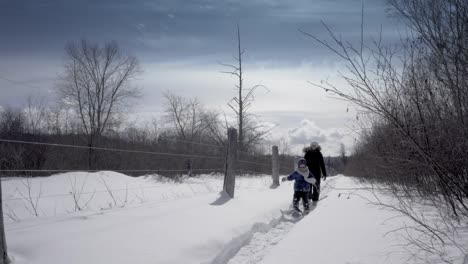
(296, 199)
(305, 201)
(316, 190)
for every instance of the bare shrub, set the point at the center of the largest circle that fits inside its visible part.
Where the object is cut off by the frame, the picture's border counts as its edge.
(10, 213)
(76, 192)
(109, 191)
(31, 200)
(416, 96)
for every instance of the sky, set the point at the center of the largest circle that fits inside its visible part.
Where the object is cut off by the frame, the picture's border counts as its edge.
(180, 45)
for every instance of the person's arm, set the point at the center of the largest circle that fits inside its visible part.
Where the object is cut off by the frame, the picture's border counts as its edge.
(289, 178)
(307, 158)
(310, 179)
(322, 167)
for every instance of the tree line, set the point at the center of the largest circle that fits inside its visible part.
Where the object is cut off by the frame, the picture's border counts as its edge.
(186, 128)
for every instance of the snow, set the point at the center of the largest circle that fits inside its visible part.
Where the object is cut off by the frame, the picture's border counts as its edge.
(343, 229)
(154, 220)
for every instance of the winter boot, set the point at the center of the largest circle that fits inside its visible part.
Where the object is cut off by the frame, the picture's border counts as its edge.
(296, 212)
(296, 209)
(306, 206)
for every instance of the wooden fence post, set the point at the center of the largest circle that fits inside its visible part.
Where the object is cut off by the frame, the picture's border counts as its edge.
(231, 160)
(3, 247)
(275, 165)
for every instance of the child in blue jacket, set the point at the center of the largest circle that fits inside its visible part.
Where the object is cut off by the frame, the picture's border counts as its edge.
(303, 180)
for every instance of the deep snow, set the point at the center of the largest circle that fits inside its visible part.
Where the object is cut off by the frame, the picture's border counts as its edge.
(153, 220)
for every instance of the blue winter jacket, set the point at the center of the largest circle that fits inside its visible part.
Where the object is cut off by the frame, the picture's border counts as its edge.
(300, 185)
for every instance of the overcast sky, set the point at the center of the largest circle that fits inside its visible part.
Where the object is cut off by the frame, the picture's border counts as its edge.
(179, 44)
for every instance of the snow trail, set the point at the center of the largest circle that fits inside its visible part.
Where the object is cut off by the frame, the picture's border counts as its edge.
(260, 244)
(252, 247)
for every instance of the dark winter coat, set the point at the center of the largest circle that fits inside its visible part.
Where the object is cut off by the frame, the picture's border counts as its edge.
(300, 184)
(315, 162)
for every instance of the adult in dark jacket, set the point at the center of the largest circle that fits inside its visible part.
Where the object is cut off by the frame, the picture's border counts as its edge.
(316, 165)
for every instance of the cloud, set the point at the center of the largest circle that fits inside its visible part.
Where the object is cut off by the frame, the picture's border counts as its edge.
(164, 30)
(336, 135)
(308, 131)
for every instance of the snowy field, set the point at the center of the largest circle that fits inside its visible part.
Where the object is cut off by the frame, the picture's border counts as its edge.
(108, 217)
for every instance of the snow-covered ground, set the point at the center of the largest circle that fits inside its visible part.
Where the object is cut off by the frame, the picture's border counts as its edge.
(119, 219)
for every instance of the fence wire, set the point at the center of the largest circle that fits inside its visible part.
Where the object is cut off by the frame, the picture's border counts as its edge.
(110, 149)
(191, 142)
(243, 167)
(148, 170)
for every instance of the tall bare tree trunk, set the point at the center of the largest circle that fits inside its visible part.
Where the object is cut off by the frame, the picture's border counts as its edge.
(248, 133)
(241, 100)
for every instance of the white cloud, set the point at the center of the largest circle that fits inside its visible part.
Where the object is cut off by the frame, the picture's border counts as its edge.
(307, 131)
(330, 139)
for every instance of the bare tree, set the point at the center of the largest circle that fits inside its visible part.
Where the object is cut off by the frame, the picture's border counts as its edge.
(36, 115)
(191, 122)
(96, 85)
(153, 130)
(248, 132)
(188, 117)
